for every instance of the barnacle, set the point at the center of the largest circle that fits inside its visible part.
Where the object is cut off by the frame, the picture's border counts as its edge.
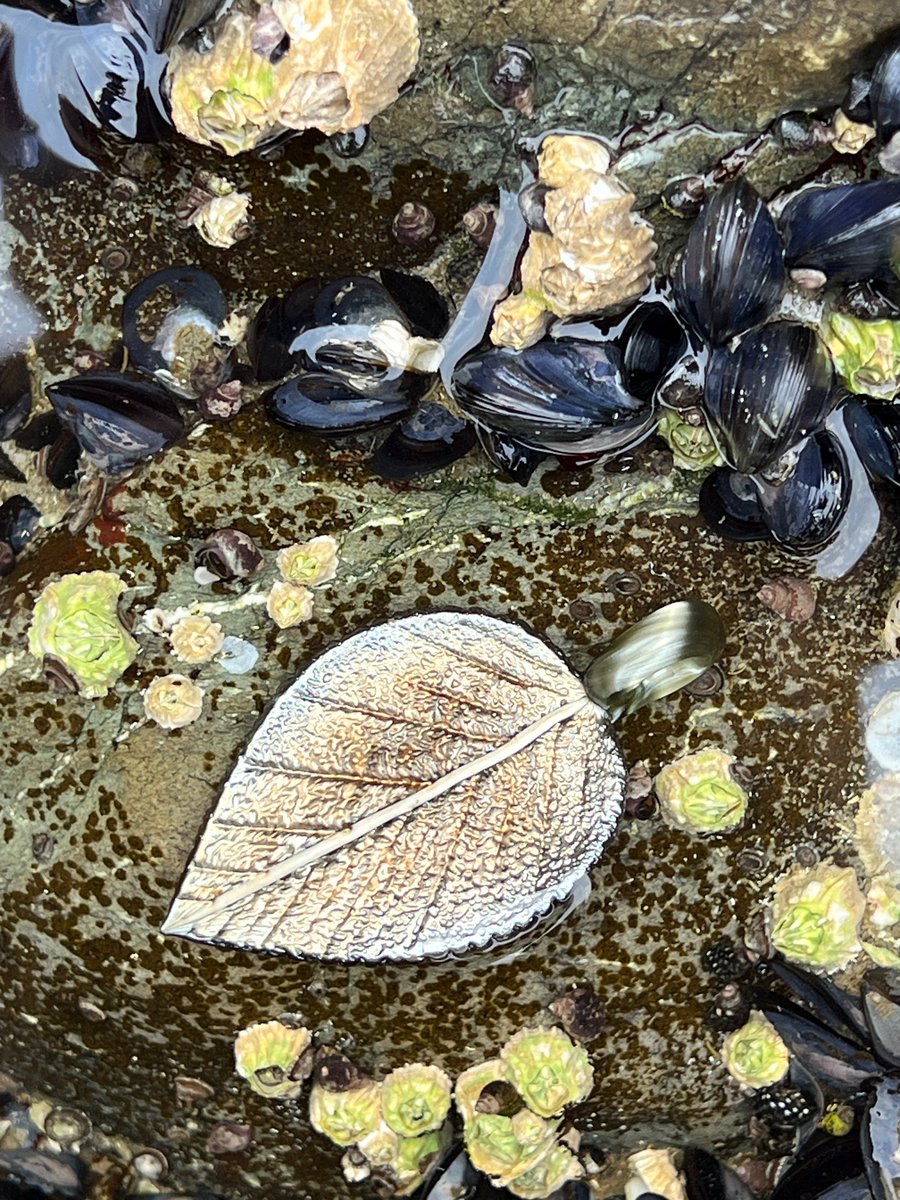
(816, 914)
(506, 1147)
(415, 1099)
(75, 620)
(755, 1055)
(866, 353)
(196, 639)
(173, 701)
(697, 792)
(223, 219)
(309, 563)
(547, 1069)
(555, 1168)
(289, 604)
(657, 1174)
(269, 1055)
(348, 1116)
(691, 443)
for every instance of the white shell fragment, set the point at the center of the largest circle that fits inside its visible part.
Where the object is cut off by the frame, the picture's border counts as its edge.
(424, 787)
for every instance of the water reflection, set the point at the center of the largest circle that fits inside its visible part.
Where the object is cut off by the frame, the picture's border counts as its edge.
(19, 319)
(60, 81)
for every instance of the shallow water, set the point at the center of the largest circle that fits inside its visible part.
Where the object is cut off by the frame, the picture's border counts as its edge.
(122, 801)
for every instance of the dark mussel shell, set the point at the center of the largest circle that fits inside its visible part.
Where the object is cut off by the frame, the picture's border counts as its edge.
(514, 459)
(279, 320)
(279, 334)
(60, 463)
(118, 421)
(730, 506)
(849, 232)
(828, 1167)
(822, 998)
(805, 508)
(882, 1012)
(59, 76)
(731, 275)
(838, 1064)
(878, 1138)
(652, 342)
(874, 428)
(168, 21)
(563, 395)
(708, 1179)
(884, 100)
(764, 397)
(15, 395)
(420, 302)
(427, 440)
(197, 300)
(857, 103)
(396, 295)
(19, 520)
(318, 403)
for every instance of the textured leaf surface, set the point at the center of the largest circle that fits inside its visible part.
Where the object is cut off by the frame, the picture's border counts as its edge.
(370, 722)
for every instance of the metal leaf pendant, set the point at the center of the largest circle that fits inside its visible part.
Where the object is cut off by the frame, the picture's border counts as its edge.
(427, 786)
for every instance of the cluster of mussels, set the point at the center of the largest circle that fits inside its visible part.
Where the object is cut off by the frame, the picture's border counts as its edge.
(829, 1109)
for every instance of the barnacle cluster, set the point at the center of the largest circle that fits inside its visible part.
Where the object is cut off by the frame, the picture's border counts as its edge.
(344, 62)
(302, 567)
(593, 254)
(510, 1108)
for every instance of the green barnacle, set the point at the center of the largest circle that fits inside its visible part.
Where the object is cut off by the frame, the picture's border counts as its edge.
(547, 1069)
(507, 1147)
(345, 1117)
(755, 1055)
(414, 1156)
(273, 1058)
(866, 354)
(697, 792)
(415, 1099)
(816, 914)
(558, 1166)
(76, 621)
(691, 443)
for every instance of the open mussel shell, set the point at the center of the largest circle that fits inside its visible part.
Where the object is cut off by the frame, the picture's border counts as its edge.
(514, 458)
(805, 508)
(423, 306)
(170, 321)
(730, 506)
(848, 232)
(731, 275)
(319, 403)
(277, 323)
(765, 396)
(874, 428)
(662, 652)
(652, 341)
(427, 440)
(118, 421)
(560, 396)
